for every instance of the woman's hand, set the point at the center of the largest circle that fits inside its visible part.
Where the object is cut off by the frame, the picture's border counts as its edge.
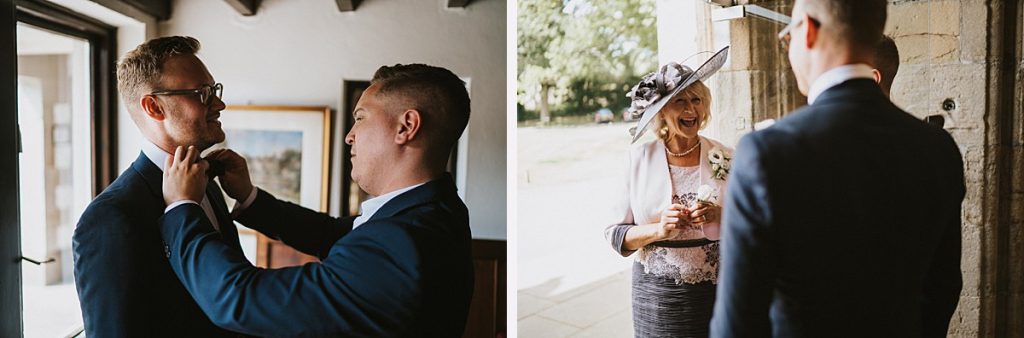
(669, 225)
(708, 216)
(705, 213)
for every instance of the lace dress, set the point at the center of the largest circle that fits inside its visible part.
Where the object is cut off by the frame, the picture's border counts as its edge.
(684, 265)
(674, 288)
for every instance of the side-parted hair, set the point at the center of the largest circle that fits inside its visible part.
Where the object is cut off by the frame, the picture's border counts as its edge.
(698, 89)
(859, 22)
(139, 70)
(437, 93)
(887, 61)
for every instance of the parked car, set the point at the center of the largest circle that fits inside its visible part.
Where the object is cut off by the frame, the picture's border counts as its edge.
(604, 115)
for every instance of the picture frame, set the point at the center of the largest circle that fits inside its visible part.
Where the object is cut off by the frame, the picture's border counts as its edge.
(288, 152)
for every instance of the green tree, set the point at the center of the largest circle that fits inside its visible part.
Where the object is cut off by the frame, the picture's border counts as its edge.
(583, 54)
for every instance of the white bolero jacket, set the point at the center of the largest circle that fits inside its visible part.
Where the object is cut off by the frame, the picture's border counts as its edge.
(649, 185)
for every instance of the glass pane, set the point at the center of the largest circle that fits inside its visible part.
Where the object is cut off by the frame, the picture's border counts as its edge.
(56, 173)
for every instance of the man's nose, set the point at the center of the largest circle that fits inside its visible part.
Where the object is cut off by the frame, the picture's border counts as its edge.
(350, 138)
(216, 103)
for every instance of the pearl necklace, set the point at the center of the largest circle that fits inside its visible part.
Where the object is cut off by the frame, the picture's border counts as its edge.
(684, 153)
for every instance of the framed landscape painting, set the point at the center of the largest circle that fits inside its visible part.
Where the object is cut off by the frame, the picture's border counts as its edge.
(287, 149)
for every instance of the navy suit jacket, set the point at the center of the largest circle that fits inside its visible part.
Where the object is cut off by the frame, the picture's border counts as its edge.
(842, 220)
(406, 272)
(125, 285)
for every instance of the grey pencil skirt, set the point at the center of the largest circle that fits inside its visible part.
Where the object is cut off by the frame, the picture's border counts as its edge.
(662, 308)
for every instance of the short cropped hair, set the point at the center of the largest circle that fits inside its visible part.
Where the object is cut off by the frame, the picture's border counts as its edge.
(887, 61)
(859, 22)
(437, 93)
(141, 68)
(697, 89)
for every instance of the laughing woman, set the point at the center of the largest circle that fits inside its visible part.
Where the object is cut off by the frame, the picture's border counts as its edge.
(671, 216)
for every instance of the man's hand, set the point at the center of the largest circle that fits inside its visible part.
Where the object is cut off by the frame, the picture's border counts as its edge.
(184, 176)
(235, 181)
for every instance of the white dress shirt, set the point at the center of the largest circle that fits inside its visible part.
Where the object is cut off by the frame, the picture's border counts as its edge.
(159, 157)
(838, 75)
(370, 206)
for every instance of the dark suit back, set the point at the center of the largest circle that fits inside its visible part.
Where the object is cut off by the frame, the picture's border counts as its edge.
(842, 219)
(125, 285)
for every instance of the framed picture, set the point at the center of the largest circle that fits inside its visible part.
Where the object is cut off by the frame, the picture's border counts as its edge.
(287, 149)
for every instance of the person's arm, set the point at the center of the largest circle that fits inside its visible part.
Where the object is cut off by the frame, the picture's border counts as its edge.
(626, 237)
(745, 281)
(106, 254)
(308, 231)
(944, 282)
(360, 289)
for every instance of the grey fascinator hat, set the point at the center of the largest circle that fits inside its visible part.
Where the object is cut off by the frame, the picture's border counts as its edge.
(654, 90)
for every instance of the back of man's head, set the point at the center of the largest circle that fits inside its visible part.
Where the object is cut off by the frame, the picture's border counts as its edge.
(437, 93)
(139, 70)
(887, 62)
(858, 23)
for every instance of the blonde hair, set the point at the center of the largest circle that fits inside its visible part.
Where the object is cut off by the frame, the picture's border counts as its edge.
(697, 89)
(140, 68)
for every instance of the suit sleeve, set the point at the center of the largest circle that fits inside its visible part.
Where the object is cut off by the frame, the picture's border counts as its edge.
(106, 253)
(944, 282)
(361, 289)
(308, 231)
(745, 282)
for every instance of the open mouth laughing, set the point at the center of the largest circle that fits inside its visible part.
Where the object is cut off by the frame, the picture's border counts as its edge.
(688, 122)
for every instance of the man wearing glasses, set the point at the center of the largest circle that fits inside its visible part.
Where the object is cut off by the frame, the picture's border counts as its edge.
(125, 284)
(842, 219)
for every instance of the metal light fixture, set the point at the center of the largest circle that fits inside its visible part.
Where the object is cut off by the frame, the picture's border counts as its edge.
(722, 3)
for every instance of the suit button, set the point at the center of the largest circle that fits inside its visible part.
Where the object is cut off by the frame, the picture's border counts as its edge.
(167, 251)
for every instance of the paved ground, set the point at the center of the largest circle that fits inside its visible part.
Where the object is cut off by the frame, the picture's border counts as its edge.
(570, 281)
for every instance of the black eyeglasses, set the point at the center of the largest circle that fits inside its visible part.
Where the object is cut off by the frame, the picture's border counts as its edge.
(785, 37)
(205, 92)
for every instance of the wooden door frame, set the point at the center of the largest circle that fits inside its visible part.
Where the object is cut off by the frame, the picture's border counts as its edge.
(102, 40)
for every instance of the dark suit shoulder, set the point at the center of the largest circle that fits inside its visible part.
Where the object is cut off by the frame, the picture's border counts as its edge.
(125, 201)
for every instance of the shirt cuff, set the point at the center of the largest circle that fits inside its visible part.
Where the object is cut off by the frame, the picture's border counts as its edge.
(175, 204)
(240, 207)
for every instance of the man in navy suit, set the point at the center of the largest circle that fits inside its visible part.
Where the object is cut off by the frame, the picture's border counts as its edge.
(125, 285)
(402, 268)
(842, 219)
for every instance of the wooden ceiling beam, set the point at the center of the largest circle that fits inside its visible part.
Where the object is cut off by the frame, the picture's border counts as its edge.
(348, 5)
(458, 3)
(245, 7)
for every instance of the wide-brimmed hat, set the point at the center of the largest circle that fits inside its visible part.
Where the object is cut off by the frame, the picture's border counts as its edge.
(654, 90)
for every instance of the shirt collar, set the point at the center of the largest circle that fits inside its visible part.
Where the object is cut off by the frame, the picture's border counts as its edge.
(835, 76)
(155, 154)
(370, 206)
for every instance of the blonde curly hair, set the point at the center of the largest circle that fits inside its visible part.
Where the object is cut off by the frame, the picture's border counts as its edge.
(698, 89)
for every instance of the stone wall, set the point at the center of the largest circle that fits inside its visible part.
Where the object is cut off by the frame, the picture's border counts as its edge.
(967, 52)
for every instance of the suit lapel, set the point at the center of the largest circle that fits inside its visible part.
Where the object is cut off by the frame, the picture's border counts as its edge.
(155, 178)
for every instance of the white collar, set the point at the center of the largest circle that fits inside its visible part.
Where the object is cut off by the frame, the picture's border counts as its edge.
(371, 206)
(835, 76)
(155, 154)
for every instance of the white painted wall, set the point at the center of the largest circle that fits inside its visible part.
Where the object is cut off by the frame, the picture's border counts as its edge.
(299, 52)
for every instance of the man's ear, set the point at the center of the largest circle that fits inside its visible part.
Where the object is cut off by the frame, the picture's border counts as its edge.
(812, 31)
(877, 75)
(408, 126)
(152, 108)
